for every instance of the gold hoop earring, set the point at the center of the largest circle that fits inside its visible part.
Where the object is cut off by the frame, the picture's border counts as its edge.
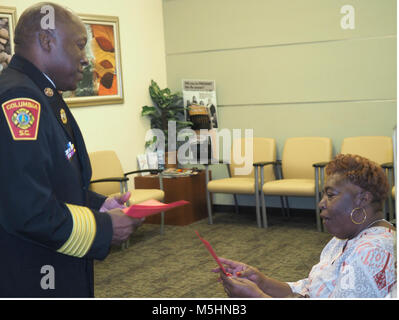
(364, 212)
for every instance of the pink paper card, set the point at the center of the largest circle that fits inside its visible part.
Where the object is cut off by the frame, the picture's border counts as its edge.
(213, 253)
(150, 207)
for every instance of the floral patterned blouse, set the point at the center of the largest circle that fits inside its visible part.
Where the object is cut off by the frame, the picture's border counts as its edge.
(363, 267)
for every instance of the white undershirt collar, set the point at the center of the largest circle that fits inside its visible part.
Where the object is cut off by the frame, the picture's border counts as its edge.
(51, 81)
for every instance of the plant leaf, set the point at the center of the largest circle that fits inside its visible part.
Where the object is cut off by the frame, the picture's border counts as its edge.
(184, 123)
(148, 111)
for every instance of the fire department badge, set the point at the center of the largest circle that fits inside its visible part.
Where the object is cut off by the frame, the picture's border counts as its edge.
(22, 115)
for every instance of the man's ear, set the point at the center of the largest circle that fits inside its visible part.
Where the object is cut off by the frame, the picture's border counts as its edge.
(46, 39)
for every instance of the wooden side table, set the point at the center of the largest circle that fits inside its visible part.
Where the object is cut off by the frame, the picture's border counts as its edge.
(189, 188)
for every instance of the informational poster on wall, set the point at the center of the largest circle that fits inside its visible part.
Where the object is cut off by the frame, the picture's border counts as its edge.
(199, 98)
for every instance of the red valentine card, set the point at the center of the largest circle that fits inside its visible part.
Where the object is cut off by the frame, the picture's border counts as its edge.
(150, 207)
(213, 253)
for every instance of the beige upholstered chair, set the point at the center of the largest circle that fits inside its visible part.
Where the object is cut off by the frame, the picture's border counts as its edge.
(109, 179)
(241, 180)
(378, 149)
(299, 173)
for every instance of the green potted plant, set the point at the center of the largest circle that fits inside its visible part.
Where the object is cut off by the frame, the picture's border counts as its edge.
(167, 107)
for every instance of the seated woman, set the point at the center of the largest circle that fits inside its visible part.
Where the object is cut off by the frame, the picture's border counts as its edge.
(358, 262)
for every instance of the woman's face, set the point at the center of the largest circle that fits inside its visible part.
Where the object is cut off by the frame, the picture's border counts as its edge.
(336, 205)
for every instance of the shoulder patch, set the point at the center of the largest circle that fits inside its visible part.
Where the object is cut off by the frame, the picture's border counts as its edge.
(23, 116)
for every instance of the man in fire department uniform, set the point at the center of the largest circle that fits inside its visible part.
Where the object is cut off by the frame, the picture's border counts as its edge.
(51, 225)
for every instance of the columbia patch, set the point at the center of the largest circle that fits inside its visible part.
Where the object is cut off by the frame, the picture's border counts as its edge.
(23, 115)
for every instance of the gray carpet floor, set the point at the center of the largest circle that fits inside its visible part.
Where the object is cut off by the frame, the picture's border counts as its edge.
(177, 264)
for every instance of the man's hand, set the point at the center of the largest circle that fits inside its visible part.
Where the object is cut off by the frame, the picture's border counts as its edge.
(122, 225)
(115, 202)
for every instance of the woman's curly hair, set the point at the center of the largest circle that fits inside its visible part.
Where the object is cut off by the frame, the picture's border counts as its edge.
(361, 172)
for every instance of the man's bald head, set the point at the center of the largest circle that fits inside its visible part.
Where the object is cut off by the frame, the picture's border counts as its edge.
(57, 49)
(31, 23)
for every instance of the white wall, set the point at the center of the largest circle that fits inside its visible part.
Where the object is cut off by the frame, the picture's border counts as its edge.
(120, 127)
(287, 68)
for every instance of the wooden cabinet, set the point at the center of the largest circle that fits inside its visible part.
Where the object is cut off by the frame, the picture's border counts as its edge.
(189, 188)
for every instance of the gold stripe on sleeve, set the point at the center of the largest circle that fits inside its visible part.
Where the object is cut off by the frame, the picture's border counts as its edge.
(83, 232)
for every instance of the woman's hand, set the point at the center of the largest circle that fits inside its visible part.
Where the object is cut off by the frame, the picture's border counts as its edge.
(250, 282)
(237, 287)
(241, 270)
